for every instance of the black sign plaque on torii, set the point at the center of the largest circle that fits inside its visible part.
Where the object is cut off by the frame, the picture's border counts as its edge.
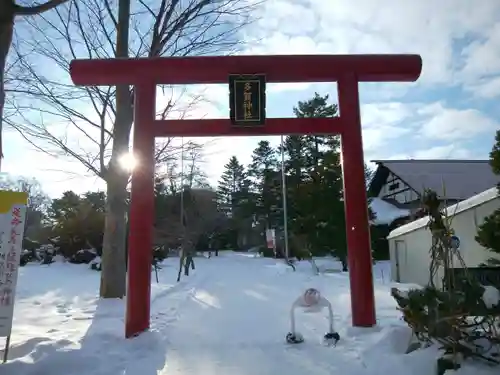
(247, 99)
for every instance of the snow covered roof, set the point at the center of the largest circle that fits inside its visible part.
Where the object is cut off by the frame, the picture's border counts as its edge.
(452, 210)
(386, 213)
(461, 179)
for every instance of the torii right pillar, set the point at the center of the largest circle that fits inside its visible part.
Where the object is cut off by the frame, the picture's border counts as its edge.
(359, 255)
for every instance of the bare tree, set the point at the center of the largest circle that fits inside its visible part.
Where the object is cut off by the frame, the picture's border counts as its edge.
(9, 10)
(198, 207)
(199, 218)
(170, 181)
(38, 201)
(92, 124)
(187, 209)
(194, 176)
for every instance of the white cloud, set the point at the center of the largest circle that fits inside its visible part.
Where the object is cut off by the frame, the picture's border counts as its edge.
(443, 152)
(393, 124)
(455, 124)
(486, 88)
(425, 27)
(451, 151)
(374, 114)
(483, 57)
(481, 70)
(376, 138)
(382, 123)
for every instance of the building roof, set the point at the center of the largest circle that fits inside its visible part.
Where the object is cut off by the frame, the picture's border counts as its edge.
(452, 179)
(450, 211)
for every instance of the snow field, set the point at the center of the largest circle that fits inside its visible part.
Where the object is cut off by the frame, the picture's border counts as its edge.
(230, 317)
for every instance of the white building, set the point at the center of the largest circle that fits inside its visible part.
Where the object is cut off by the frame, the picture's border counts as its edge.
(409, 244)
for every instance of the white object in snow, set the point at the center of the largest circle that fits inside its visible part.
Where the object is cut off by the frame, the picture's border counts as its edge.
(491, 296)
(311, 301)
(96, 262)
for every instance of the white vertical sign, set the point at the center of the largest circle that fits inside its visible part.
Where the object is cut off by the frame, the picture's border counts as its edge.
(12, 220)
(270, 238)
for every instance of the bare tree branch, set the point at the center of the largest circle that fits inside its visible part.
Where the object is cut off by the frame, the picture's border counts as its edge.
(87, 29)
(8, 12)
(38, 9)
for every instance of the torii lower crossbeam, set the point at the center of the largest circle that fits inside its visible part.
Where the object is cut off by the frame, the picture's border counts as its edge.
(145, 74)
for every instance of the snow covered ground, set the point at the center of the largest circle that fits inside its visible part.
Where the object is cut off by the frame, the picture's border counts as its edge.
(229, 318)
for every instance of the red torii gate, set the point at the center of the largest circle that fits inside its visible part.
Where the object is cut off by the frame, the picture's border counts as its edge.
(145, 74)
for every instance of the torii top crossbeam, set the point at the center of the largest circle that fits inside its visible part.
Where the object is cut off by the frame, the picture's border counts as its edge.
(215, 69)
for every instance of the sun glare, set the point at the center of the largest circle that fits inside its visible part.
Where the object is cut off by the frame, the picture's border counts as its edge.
(128, 161)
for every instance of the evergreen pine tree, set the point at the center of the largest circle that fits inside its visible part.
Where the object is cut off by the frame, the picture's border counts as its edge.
(233, 185)
(318, 106)
(294, 149)
(319, 191)
(266, 182)
(234, 200)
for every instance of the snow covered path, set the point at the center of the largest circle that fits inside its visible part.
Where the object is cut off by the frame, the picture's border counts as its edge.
(223, 330)
(234, 322)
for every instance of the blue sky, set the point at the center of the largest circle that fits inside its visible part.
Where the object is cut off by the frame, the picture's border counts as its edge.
(451, 112)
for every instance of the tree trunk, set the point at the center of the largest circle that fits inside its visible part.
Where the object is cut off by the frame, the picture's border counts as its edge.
(7, 14)
(114, 269)
(113, 275)
(181, 262)
(186, 265)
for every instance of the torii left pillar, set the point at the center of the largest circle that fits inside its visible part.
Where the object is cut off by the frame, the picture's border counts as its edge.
(145, 74)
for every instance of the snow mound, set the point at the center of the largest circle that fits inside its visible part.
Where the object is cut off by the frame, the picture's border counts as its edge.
(491, 296)
(386, 213)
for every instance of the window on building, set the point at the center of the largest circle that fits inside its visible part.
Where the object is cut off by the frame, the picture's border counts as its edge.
(393, 186)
